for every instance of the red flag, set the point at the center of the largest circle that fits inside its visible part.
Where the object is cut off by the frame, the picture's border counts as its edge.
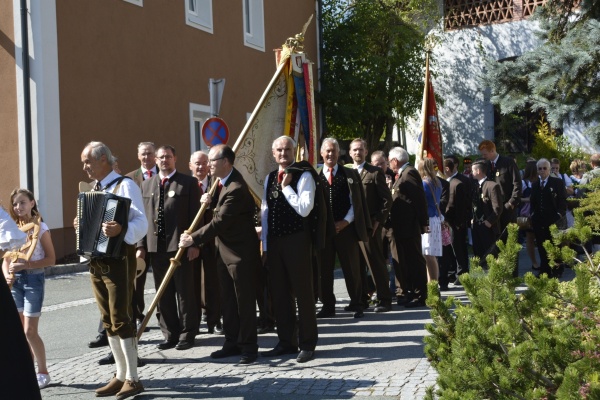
(431, 136)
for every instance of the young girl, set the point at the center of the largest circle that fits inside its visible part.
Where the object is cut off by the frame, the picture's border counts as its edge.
(27, 276)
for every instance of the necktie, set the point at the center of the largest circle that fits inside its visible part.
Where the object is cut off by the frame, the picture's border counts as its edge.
(493, 166)
(542, 184)
(200, 185)
(161, 205)
(280, 176)
(149, 174)
(97, 186)
(330, 179)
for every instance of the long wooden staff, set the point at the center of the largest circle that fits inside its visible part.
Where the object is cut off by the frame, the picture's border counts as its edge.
(175, 262)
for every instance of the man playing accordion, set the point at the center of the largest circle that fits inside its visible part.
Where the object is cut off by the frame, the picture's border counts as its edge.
(113, 277)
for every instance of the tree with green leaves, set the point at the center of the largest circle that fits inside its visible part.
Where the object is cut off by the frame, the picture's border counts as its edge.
(373, 65)
(560, 77)
(539, 341)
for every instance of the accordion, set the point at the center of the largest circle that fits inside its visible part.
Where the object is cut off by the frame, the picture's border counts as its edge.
(94, 209)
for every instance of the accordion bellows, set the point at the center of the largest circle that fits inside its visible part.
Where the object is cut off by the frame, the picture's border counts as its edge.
(94, 209)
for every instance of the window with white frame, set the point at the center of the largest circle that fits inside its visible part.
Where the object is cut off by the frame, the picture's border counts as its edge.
(198, 13)
(198, 115)
(254, 24)
(136, 2)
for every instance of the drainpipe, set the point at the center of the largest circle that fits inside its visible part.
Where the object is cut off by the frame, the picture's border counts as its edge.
(26, 95)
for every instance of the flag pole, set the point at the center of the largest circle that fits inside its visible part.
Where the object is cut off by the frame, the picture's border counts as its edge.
(423, 144)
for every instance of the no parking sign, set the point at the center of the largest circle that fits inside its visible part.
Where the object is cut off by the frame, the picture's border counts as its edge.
(215, 131)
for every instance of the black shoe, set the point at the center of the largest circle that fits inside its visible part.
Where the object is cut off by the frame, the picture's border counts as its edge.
(279, 351)
(261, 330)
(444, 288)
(383, 308)
(233, 351)
(326, 313)
(167, 344)
(402, 300)
(109, 359)
(184, 345)
(141, 362)
(216, 330)
(352, 308)
(101, 340)
(359, 314)
(305, 355)
(248, 358)
(415, 303)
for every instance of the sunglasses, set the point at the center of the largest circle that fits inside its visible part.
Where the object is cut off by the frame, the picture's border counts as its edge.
(542, 168)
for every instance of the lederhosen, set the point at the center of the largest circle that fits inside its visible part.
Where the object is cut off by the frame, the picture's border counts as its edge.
(113, 283)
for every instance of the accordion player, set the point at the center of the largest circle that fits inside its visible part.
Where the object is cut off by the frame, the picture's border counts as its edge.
(94, 209)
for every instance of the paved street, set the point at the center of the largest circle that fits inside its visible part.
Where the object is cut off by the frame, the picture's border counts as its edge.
(380, 356)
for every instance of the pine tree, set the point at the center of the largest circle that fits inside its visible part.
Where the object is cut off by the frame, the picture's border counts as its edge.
(560, 77)
(513, 342)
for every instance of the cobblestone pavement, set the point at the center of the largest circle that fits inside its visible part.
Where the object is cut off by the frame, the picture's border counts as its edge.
(380, 355)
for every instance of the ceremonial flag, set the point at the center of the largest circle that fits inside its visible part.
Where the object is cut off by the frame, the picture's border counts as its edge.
(431, 137)
(285, 108)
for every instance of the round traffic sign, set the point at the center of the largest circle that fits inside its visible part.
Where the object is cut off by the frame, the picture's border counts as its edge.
(215, 131)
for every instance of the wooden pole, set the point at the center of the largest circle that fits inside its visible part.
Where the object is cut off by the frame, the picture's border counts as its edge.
(175, 262)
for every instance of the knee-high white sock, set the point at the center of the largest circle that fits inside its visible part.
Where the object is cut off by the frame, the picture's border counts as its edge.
(115, 347)
(129, 346)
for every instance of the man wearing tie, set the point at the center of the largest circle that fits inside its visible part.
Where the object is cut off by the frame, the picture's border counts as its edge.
(148, 168)
(207, 280)
(345, 195)
(238, 254)
(171, 201)
(379, 202)
(548, 206)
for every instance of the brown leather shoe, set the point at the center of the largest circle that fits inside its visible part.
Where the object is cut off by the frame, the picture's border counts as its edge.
(130, 388)
(111, 388)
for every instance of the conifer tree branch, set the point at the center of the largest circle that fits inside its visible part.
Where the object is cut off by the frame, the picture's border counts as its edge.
(510, 392)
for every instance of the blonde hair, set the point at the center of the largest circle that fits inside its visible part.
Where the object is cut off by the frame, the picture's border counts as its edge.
(426, 169)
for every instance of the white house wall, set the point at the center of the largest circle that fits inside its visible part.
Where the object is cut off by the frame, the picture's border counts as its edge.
(458, 65)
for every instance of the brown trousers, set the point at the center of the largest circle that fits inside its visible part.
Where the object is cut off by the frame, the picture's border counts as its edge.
(112, 282)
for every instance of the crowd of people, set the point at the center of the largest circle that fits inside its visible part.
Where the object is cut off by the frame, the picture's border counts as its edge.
(392, 226)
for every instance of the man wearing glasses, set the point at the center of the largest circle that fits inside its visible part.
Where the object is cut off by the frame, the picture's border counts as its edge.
(238, 254)
(548, 206)
(171, 202)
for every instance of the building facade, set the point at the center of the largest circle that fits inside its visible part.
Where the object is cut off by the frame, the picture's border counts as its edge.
(126, 71)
